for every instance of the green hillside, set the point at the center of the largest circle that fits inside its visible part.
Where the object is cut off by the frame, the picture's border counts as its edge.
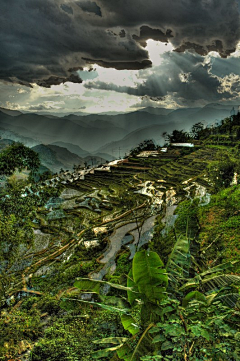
(137, 260)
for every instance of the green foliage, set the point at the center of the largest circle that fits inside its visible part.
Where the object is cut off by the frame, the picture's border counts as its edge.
(180, 311)
(194, 295)
(177, 136)
(149, 275)
(63, 275)
(18, 211)
(15, 328)
(68, 339)
(123, 266)
(220, 172)
(94, 285)
(187, 220)
(179, 261)
(186, 323)
(18, 156)
(219, 236)
(129, 324)
(197, 130)
(162, 244)
(148, 144)
(12, 238)
(196, 332)
(148, 280)
(49, 304)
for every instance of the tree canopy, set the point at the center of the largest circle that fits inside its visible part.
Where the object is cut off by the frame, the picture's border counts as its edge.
(18, 156)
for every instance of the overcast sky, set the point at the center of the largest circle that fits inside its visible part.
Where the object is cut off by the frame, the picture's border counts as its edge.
(118, 55)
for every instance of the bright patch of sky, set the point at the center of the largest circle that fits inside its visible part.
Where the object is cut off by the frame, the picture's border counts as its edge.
(117, 77)
(236, 54)
(156, 49)
(73, 97)
(86, 74)
(65, 98)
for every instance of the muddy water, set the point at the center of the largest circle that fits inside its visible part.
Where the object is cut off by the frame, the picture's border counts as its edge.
(116, 241)
(124, 235)
(146, 235)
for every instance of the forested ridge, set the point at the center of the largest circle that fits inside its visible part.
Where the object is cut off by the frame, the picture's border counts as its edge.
(137, 260)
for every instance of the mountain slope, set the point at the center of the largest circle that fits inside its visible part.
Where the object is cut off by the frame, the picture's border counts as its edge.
(55, 157)
(72, 148)
(48, 157)
(12, 113)
(93, 132)
(67, 158)
(51, 130)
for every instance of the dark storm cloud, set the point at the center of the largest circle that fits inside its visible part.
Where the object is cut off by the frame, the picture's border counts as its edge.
(183, 74)
(195, 23)
(136, 65)
(67, 8)
(155, 34)
(54, 80)
(122, 33)
(89, 6)
(43, 39)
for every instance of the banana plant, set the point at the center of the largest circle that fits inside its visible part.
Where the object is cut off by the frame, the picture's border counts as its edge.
(146, 286)
(216, 283)
(150, 286)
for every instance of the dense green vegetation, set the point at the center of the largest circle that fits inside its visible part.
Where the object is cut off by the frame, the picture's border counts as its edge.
(18, 156)
(170, 296)
(174, 322)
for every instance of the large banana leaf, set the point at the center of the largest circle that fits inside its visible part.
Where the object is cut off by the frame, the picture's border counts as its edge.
(144, 346)
(149, 275)
(218, 285)
(106, 352)
(216, 282)
(192, 283)
(129, 324)
(194, 295)
(125, 352)
(132, 295)
(87, 284)
(211, 282)
(229, 299)
(112, 340)
(102, 305)
(220, 268)
(179, 260)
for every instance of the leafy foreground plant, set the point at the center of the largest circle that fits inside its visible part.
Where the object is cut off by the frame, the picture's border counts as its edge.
(170, 322)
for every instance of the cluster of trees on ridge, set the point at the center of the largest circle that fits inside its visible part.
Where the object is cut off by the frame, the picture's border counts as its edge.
(230, 126)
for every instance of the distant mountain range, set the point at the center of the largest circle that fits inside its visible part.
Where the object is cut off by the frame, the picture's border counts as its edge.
(100, 135)
(73, 148)
(55, 157)
(13, 113)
